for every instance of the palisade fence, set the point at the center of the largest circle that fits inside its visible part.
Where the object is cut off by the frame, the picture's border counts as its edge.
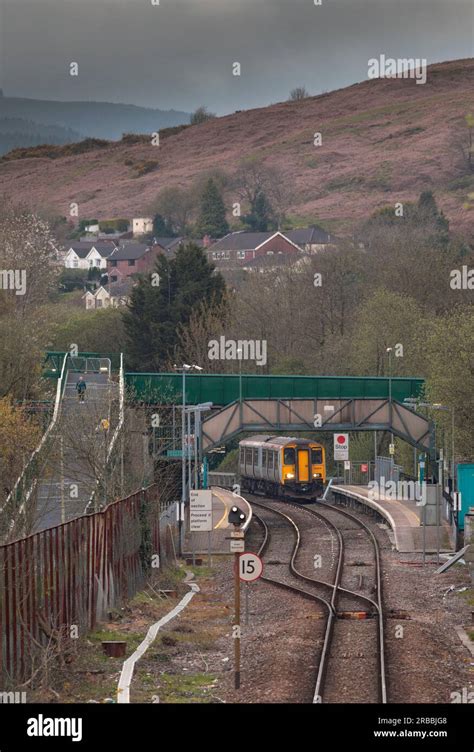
(70, 576)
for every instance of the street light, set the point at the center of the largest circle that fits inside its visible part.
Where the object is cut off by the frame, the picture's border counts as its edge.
(389, 350)
(183, 369)
(239, 353)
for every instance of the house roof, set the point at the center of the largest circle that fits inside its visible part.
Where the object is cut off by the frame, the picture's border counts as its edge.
(168, 243)
(241, 241)
(83, 248)
(129, 251)
(308, 236)
(120, 289)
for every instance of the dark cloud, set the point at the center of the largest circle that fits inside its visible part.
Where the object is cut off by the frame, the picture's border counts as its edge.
(180, 53)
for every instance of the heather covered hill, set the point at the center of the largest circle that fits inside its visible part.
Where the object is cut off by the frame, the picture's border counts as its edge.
(383, 141)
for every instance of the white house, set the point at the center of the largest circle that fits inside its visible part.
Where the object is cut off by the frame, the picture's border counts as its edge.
(85, 255)
(142, 226)
(112, 296)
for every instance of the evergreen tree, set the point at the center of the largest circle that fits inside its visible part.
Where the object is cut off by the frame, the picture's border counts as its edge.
(162, 228)
(212, 220)
(156, 310)
(260, 215)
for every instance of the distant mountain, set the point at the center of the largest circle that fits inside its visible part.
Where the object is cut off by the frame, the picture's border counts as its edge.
(94, 119)
(16, 132)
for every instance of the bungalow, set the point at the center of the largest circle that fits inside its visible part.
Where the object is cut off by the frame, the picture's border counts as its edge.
(131, 258)
(311, 239)
(87, 255)
(239, 248)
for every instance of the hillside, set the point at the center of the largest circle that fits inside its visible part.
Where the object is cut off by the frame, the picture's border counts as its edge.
(16, 132)
(94, 119)
(383, 141)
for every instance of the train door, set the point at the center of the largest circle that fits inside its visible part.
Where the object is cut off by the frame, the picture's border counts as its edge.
(303, 465)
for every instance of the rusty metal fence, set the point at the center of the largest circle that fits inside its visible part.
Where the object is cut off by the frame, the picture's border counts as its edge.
(71, 575)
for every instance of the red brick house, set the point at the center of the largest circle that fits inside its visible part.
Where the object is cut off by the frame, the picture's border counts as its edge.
(240, 248)
(131, 258)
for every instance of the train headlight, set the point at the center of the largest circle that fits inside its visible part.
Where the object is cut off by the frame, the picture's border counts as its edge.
(290, 475)
(316, 475)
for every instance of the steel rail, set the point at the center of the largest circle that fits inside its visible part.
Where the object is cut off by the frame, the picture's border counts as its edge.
(336, 588)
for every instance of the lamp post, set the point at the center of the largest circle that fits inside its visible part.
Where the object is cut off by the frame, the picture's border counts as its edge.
(183, 369)
(239, 353)
(389, 350)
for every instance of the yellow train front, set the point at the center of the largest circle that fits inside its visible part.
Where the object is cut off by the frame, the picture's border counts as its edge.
(282, 466)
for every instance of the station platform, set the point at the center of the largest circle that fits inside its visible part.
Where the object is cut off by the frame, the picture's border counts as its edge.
(403, 518)
(218, 538)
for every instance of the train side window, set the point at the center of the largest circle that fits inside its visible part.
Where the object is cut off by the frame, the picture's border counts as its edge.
(264, 458)
(289, 456)
(271, 455)
(248, 456)
(242, 455)
(316, 456)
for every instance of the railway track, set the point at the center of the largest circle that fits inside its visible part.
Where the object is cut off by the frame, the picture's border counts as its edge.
(345, 641)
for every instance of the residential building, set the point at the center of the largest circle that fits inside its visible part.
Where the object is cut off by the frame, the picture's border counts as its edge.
(240, 248)
(142, 226)
(108, 296)
(310, 239)
(131, 258)
(87, 255)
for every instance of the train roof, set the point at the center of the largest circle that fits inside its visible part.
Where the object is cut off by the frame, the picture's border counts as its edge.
(275, 442)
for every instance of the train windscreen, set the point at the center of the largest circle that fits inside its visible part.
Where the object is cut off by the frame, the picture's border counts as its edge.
(316, 456)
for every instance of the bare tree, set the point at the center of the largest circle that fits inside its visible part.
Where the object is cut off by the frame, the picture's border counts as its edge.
(298, 93)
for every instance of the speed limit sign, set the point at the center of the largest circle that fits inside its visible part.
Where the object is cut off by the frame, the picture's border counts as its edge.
(250, 567)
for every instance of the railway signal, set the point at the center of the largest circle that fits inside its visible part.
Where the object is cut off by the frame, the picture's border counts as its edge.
(237, 518)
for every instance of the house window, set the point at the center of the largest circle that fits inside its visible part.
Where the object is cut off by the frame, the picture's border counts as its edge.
(269, 253)
(214, 255)
(113, 279)
(241, 254)
(98, 303)
(113, 263)
(75, 263)
(131, 262)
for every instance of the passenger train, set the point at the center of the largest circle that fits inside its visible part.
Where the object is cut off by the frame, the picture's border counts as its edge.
(282, 466)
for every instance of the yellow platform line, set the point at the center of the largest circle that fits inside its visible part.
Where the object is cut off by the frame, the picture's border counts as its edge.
(225, 509)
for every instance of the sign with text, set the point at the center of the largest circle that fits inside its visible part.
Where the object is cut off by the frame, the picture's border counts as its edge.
(341, 446)
(200, 511)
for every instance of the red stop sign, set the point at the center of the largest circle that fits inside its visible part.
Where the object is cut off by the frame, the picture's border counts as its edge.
(341, 439)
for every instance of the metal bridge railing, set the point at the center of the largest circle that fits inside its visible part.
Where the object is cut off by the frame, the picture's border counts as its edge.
(92, 503)
(13, 514)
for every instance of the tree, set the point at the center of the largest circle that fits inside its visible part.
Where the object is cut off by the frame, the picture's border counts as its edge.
(201, 115)
(18, 438)
(212, 220)
(254, 177)
(386, 319)
(161, 228)
(298, 93)
(260, 215)
(175, 205)
(156, 311)
(29, 260)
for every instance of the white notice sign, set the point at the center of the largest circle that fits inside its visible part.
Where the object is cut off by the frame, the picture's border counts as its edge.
(341, 446)
(200, 511)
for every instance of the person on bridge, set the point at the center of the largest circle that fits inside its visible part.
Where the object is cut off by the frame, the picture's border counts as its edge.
(81, 388)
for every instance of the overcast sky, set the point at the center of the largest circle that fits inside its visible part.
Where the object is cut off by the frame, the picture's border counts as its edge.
(179, 54)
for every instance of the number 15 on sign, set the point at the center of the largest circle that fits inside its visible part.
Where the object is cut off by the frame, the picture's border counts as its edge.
(250, 567)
